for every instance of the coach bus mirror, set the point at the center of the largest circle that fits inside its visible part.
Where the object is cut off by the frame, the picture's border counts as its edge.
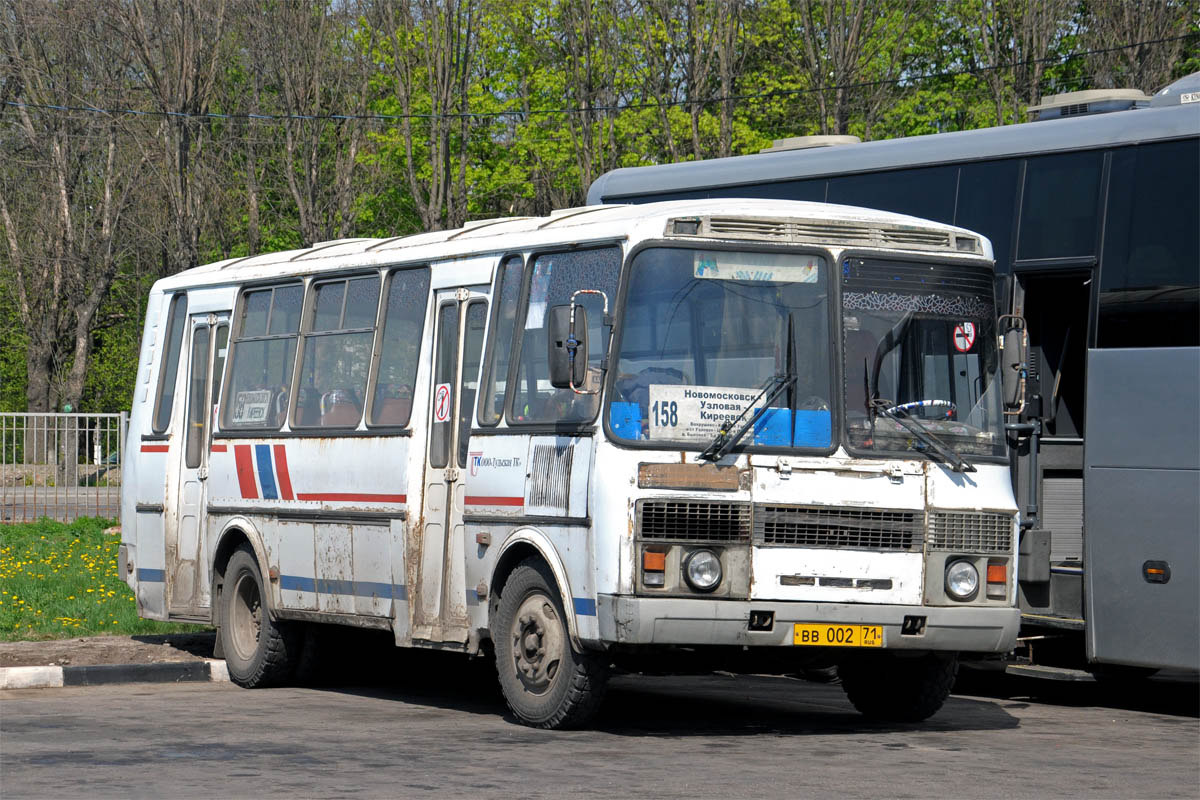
(1014, 349)
(567, 346)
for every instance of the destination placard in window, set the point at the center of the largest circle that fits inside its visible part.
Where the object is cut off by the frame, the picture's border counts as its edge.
(251, 407)
(694, 413)
(765, 267)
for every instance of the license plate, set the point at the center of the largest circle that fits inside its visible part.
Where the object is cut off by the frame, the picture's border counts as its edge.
(814, 635)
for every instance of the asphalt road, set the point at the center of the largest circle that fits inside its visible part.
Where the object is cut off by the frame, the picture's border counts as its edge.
(440, 732)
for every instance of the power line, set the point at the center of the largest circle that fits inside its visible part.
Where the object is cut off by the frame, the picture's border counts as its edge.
(522, 113)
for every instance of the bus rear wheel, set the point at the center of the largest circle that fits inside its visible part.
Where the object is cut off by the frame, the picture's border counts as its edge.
(258, 650)
(898, 689)
(545, 681)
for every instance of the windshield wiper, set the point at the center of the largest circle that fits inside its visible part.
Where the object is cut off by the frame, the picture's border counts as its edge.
(956, 462)
(725, 441)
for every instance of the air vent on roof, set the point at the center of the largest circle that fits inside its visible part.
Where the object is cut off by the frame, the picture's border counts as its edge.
(827, 232)
(808, 142)
(1092, 101)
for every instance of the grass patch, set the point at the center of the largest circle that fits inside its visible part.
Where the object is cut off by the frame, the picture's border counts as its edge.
(59, 580)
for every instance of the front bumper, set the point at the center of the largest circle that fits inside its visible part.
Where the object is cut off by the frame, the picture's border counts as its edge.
(684, 621)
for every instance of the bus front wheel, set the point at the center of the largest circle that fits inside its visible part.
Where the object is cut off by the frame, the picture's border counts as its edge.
(899, 689)
(258, 650)
(545, 681)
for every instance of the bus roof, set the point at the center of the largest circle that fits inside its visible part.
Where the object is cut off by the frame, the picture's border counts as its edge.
(1030, 138)
(569, 226)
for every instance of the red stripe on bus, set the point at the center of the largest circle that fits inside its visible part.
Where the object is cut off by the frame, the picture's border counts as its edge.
(245, 471)
(219, 448)
(355, 496)
(155, 448)
(281, 469)
(494, 501)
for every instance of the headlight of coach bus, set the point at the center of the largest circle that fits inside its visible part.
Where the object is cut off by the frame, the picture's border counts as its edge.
(702, 570)
(962, 580)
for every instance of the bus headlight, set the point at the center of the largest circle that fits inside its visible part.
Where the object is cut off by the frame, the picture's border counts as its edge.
(962, 580)
(702, 570)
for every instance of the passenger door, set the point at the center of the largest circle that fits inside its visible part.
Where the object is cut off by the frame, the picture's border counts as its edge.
(440, 599)
(185, 541)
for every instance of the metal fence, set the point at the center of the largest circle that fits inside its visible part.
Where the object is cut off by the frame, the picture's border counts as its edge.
(60, 466)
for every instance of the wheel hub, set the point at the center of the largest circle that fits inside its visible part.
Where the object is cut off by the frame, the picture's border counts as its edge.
(537, 643)
(246, 616)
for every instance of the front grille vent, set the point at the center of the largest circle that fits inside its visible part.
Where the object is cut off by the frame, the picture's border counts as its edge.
(844, 528)
(693, 521)
(970, 532)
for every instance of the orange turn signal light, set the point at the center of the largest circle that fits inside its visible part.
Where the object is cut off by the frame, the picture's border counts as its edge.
(654, 562)
(997, 573)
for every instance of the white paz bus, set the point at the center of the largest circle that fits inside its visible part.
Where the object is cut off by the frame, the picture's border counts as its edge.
(739, 431)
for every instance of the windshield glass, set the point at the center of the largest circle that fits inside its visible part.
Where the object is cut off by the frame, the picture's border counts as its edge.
(704, 330)
(920, 341)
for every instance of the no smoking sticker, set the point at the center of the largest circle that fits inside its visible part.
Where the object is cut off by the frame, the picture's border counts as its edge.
(441, 403)
(964, 336)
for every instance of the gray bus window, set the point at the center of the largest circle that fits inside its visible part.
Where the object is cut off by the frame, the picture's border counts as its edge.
(553, 278)
(987, 193)
(1059, 207)
(927, 192)
(399, 347)
(197, 413)
(504, 320)
(337, 353)
(469, 385)
(264, 350)
(1149, 273)
(173, 339)
(445, 362)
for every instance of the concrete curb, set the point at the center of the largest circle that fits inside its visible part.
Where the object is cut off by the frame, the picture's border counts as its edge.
(169, 672)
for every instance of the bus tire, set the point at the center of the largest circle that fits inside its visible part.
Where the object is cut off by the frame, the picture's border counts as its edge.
(258, 650)
(894, 689)
(545, 681)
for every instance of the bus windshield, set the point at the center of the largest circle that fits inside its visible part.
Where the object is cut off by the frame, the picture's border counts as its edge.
(704, 330)
(919, 344)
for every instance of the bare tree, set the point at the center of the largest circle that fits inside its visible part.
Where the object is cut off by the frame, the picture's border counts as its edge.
(850, 50)
(177, 45)
(1011, 40)
(318, 69)
(429, 47)
(1113, 25)
(67, 184)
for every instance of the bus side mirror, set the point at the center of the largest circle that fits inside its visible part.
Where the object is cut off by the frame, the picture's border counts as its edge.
(566, 340)
(1014, 350)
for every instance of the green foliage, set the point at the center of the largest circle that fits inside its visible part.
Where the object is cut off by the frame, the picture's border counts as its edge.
(60, 580)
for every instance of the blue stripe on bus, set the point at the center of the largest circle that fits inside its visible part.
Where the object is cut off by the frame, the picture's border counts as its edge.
(266, 471)
(152, 575)
(376, 589)
(297, 583)
(584, 606)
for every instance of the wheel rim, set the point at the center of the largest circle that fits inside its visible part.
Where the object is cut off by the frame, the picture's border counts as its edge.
(246, 616)
(537, 643)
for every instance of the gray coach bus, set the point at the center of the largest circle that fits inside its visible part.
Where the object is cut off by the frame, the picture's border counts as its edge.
(1094, 220)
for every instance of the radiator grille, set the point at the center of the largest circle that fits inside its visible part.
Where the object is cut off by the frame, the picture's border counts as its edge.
(693, 521)
(970, 532)
(846, 528)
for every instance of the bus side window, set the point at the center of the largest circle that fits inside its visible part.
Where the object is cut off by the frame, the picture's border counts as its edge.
(553, 279)
(504, 320)
(338, 336)
(170, 363)
(264, 350)
(399, 349)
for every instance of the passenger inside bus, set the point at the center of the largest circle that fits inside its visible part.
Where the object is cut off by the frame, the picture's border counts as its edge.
(340, 408)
